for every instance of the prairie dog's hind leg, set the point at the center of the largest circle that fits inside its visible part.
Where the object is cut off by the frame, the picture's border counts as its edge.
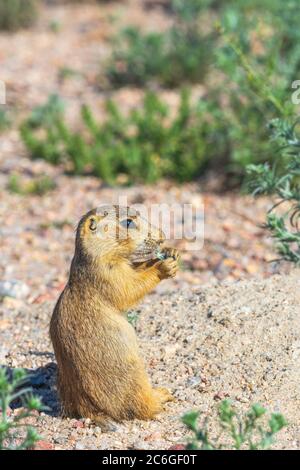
(164, 394)
(150, 402)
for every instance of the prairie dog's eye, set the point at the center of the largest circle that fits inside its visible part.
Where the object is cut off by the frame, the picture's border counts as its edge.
(93, 225)
(128, 223)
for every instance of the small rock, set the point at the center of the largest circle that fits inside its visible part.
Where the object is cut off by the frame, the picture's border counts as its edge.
(3, 352)
(242, 399)
(170, 350)
(246, 310)
(220, 396)
(44, 445)
(77, 424)
(193, 381)
(15, 289)
(154, 436)
(177, 447)
(80, 446)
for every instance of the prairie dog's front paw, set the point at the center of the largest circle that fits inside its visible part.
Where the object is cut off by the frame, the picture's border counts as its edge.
(170, 253)
(168, 266)
(164, 394)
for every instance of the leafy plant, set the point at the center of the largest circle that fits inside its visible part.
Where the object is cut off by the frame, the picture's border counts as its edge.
(46, 118)
(146, 145)
(179, 55)
(45, 114)
(282, 180)
(132, 317)
(256, 58)
(16, 14)
(15, 434)
(245, 432)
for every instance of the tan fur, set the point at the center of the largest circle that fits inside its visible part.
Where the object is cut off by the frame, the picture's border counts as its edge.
(100, 372)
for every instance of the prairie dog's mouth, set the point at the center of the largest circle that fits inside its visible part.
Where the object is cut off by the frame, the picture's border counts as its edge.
(146, 252)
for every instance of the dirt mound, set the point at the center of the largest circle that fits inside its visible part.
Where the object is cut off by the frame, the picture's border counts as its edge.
(239, 340)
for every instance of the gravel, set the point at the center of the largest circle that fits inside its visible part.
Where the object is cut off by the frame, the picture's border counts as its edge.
(15, 289)
(237, 339)
(233, 339)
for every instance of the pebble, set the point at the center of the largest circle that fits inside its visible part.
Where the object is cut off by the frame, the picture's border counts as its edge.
(177, 447)
(155, 436)
(3, 352)
(140, 445)
(77, 424)
(80, 445)
(15, 289)
(193, 381)
(44, 445)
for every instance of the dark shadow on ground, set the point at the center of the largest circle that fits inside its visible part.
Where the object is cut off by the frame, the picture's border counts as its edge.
(42, 381)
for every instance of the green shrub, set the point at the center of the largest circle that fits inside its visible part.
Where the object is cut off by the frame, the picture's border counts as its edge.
(245, 432)
(260, 57)
(16, 14)
(15, 434)
(256, 59)
(146, 145)
(282, 180)
(179, 55)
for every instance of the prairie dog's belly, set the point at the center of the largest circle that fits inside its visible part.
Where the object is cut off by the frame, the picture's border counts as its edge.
(109, 342)
(123, 342)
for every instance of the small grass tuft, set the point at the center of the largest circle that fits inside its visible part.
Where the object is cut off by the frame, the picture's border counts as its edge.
(15, 433)
(246, 432)
(281, 180)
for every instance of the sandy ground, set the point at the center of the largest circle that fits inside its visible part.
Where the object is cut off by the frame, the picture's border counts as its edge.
(37, 232)
(238, 340)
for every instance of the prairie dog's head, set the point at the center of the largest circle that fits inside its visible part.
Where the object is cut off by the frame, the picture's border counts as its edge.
(116, 232)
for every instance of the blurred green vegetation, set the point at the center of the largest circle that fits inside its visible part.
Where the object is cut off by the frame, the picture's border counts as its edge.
(5, 120)
(247, 70)
(179, 55)
(39, 185)
(15, 432)
(259, 56)
(244, 53)
(145, 145)
(16, 14)
(283, 182)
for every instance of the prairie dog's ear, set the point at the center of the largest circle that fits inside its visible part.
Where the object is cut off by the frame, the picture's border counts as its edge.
(94, 225)
(89, 226)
